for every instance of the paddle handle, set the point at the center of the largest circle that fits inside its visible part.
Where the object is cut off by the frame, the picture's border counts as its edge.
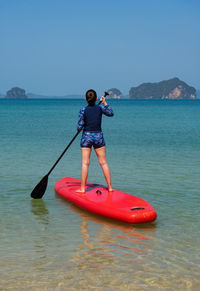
(105, 94)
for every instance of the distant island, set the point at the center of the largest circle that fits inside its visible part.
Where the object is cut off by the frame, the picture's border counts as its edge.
(169, 89)
(115, 93)
(16, 92)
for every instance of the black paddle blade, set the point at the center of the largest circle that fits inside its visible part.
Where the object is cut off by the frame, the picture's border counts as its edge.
(40, 188)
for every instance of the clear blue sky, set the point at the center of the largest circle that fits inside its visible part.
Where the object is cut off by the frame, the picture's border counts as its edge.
(59, 47)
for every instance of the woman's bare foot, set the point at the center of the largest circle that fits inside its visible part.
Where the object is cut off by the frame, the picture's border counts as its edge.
(80, 191)
(110, 189)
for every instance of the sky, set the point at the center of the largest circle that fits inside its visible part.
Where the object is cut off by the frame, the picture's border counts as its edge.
(61, 47)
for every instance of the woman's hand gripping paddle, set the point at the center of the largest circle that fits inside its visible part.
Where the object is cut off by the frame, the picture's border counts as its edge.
(40, 188)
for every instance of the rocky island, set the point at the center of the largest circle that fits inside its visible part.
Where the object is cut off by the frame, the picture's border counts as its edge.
(16, 92)
(169, 89)
(115, 93)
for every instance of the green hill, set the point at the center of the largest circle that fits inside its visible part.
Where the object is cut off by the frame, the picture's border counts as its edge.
(169, 89)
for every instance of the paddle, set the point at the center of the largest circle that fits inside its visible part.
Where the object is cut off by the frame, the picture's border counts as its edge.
(40, 188)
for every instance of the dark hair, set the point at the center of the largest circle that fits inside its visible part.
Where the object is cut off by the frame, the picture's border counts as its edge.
(91, 97)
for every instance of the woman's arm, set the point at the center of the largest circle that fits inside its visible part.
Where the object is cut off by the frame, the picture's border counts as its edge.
(106, 109)
(80, 123)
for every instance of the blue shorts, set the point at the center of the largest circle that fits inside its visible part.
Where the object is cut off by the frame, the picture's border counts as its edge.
(94, 139)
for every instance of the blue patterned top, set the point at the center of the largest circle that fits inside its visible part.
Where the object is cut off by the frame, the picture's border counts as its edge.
(90, 117)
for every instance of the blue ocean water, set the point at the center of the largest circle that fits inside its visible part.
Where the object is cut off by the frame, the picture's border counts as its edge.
(49, 244)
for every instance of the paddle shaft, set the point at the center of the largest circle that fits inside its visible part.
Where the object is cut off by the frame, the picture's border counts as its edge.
(63, 152)
(69, 145)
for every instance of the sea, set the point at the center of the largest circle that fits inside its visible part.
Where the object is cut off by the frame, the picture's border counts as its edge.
(153, 151)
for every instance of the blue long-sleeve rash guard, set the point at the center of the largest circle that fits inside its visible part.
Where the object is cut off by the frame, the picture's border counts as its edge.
(90, 117)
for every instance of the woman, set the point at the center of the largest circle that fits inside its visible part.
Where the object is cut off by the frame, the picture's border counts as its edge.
(90, 120)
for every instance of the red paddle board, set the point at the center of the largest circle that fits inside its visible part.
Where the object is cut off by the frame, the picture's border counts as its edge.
(97, 199)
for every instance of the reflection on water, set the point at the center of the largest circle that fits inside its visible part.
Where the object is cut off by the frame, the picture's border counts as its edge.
(40, 211)
(108, 252)
(41, 214)
(108, 241)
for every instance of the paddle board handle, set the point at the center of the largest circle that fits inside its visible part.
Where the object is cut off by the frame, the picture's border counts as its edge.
(105, 94)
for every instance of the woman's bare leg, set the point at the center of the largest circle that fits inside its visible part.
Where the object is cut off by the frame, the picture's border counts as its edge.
(85, 165)
(101, 155)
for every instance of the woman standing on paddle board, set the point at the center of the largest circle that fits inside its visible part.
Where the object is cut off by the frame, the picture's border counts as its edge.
(90, 120)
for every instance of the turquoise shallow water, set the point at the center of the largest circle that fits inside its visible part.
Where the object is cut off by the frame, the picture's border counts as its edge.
(49, 244)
